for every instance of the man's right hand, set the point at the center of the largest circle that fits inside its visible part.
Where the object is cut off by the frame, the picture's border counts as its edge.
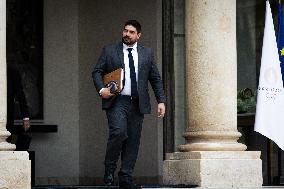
(26, 125)
(105, 93)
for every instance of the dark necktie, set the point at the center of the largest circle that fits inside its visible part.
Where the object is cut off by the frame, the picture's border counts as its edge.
(134, 92)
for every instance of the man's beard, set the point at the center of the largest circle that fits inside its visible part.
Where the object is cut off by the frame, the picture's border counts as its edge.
(127, 42)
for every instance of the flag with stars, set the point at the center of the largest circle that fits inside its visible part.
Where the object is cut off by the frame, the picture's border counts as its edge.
(280, 38)
(269, 119)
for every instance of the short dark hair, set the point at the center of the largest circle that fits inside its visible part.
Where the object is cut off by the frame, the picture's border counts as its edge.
(133, 23)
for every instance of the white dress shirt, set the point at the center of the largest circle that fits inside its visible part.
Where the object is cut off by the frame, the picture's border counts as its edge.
(127, 86)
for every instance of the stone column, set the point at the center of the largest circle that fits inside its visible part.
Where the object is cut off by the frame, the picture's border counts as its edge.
(15, 167)
(3, 83)
(211, 67)
(212, 157)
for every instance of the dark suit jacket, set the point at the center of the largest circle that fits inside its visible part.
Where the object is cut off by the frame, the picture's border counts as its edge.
(15, 91)
(112, 58)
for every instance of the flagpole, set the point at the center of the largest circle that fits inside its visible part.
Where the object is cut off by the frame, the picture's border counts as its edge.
(279, 179)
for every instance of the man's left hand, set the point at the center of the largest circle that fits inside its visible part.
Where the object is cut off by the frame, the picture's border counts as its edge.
(161, 110)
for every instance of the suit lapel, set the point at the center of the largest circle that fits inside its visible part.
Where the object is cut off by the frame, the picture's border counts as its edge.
(120, 54)
(141, 56)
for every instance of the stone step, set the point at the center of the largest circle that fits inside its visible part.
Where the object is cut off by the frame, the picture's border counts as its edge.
(146, 187)
(107, 187)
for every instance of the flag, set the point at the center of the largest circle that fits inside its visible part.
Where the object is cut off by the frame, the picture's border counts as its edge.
(269, 117)
(280, 38)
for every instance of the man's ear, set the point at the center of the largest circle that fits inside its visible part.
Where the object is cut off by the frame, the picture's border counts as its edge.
(139, 35)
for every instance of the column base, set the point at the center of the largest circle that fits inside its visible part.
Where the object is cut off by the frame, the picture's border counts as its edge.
(15, 170)
(213, 169)
(5, 146)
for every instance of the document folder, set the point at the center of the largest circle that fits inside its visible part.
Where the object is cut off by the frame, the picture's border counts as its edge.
(114, 80)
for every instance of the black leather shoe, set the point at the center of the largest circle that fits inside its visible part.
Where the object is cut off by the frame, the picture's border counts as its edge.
(109, 178)
(128, 185)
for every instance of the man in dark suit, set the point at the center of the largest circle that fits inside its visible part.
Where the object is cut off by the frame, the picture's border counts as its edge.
(125, 112)
(15, 92)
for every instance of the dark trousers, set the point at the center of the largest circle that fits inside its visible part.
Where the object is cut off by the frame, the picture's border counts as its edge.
(125, 125)
(23, 139)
